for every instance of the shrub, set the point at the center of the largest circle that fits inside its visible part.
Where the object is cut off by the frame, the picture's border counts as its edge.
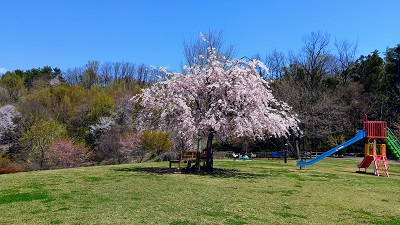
(66, 154)
(12, 168)
(107, 146)
(6, 166)
(155, 142)
(130, 147)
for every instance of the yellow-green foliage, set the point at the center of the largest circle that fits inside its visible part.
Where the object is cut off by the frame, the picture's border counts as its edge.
(13, 85)
(155, 141)
(122, 87)
(102, 105)
(37, 140)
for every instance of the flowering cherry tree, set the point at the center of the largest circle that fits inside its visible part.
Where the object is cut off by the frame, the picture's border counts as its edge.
(65, 153)
(222, 99)
(7, 125)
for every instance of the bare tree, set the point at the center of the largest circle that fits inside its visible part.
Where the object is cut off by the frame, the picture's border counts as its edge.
(117, 70)
(197, 52)
(314, 59)
(72, 76)
(105, 76)
(310, 86)
(126, 70)
(130, 71)
(142, 74)
(345, 59)
(275, 61)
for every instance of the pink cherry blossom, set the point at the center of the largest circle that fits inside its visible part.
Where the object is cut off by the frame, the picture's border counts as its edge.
(224, 98)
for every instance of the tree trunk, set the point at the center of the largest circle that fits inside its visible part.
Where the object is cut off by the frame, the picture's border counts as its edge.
(297, 149)
(209, 160)
(41, 157)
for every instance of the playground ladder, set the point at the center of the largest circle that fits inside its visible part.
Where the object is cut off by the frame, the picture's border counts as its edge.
(393, 143)
(381, 165)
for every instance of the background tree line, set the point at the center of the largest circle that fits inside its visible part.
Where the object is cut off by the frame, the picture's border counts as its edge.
(331, 89)
(53, 119)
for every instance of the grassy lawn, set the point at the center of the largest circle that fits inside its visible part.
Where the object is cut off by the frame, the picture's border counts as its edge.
(240, 192)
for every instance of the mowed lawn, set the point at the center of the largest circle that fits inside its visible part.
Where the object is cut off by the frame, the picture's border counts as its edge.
(239, 192)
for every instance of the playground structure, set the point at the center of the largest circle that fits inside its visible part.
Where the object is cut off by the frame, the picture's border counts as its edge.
(374, 153)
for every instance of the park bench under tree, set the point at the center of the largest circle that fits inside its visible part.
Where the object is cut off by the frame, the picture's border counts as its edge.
(189, 158)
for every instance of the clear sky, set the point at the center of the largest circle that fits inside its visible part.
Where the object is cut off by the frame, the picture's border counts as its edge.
(68, 33)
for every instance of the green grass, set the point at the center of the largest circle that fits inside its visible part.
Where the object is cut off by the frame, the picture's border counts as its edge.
(239, 192)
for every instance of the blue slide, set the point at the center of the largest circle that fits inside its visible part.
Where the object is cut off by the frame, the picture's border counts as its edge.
(360, 135)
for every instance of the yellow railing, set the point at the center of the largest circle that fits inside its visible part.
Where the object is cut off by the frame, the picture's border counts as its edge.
(380, 149)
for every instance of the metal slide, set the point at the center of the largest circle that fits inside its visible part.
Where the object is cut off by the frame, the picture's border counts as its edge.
(393, 142)
(360, 135)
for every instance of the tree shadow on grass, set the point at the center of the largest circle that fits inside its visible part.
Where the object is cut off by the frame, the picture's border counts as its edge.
(217, 173)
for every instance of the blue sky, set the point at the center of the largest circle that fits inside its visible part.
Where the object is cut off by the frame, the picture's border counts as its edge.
(68, 33)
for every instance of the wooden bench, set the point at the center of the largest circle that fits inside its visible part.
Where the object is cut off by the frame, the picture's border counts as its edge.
(189, 158)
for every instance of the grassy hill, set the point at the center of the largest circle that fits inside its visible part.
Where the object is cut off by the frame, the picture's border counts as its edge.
(239, 192)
